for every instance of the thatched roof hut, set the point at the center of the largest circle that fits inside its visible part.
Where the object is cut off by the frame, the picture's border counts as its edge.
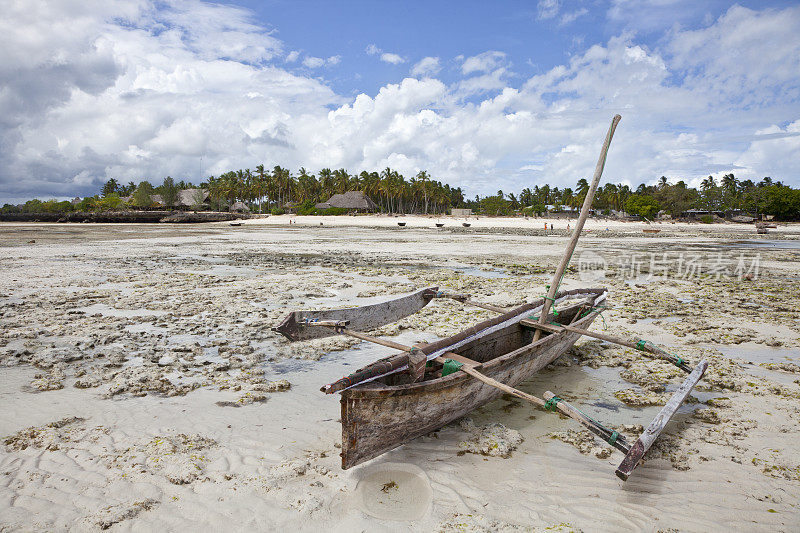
(352, 200)
(192, 197)
(239, 207)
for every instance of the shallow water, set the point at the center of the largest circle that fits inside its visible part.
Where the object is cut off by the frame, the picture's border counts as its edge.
(758, 353)
(765, 243)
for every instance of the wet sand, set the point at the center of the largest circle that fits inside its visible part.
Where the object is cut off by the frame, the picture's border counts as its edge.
(143, 387)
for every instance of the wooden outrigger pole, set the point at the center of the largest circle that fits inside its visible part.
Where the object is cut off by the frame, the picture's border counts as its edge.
(576, 233)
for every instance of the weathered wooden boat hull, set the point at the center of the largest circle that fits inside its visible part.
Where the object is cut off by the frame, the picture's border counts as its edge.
(364, 318)
(377, 418)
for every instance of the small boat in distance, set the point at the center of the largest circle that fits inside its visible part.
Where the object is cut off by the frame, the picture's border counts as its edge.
(466, 224)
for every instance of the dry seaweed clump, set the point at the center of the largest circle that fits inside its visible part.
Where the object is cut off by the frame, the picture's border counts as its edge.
(651, 374)
(779, 471)
(670, 447)
(478, 523)
(493, 440)
(642, 398)
(138, 381)
(49, 437)
(256, 394)
(723, 374)
(49, 381)
(785, 366)
(593, 354)
(114, 514)
(180, 458)
(584, 441)
(709, 415)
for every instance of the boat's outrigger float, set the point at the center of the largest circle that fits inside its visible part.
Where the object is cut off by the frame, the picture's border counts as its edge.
(426, 386)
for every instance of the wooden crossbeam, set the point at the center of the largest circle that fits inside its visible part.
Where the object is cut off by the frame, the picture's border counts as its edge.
(459, 359)
(638, 344)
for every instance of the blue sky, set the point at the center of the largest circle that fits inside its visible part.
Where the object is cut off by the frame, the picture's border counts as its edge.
(534, 38)
(485, 96)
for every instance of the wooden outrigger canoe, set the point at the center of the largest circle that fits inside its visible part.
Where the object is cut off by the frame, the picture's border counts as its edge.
(404, 396)
(381, 415)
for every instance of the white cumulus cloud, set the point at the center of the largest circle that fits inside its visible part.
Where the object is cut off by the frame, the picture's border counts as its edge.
(548, 8)
(394, 59)
(427, 66)
(483, 62)
(313, 62)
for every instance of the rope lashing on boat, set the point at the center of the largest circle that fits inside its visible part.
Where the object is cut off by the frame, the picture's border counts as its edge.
(450, 367)
(641, 345)
(550, 405)
(613, 438)
(546, 297)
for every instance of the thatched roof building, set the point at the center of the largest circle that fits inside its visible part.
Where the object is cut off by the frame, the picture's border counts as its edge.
(353, 200)
(239, 207)
(190, 197)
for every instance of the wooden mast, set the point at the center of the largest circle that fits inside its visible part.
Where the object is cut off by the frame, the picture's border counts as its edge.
(576, 233)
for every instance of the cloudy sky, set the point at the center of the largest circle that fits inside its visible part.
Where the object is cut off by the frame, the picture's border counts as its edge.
(484, 95)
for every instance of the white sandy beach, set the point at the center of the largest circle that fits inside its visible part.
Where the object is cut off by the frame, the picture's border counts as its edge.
(477, 222)
(143, 388)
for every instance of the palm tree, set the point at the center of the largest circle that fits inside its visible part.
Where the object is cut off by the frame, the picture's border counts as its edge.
(582, 188)
(424, 180)
(326, 182)
(341, 180)
(708, 183)
(730, 190)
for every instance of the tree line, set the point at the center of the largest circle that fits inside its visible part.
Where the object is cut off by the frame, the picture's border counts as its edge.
(280, 188)
(274, 190)
(726, 195)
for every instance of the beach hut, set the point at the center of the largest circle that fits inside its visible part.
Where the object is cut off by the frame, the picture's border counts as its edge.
(239, 207)
(291, 207)
(351, 200)
(192, 197)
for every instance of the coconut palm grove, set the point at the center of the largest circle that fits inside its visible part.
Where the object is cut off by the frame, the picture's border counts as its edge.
(274, 191)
